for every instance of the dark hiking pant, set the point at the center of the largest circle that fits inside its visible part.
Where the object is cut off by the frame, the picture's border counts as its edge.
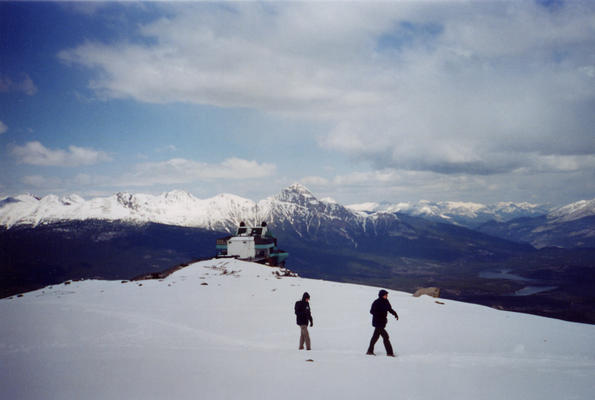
(377, 333)
(304, 337)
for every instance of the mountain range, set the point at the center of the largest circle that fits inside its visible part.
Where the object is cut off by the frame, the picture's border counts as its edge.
(297, 209)
(459, 213)
(572, 225)
(51, 239)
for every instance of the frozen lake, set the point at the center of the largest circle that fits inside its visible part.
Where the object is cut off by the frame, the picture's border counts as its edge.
(504, 274)
(526, 291)
(529, 290)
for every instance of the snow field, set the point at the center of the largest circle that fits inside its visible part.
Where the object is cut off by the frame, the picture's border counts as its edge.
(236, 338)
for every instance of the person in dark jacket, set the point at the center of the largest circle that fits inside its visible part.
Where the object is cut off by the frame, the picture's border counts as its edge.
(380, 307)
(303, 316)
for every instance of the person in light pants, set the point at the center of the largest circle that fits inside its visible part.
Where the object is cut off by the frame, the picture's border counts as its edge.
(303, 316)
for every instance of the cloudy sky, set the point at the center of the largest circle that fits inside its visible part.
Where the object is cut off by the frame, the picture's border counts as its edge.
(389, 101)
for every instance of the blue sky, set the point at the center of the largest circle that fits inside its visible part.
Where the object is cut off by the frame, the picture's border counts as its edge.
(392, 101)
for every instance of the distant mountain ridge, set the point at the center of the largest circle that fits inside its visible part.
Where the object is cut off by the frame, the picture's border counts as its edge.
(296, 209)
(459, 213)
(182, 208)
(221, 212)
(573, 211)
(172, 208)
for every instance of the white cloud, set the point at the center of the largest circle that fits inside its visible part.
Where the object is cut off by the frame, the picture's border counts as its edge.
(167, 148)
(83, 179)
(180, 171)
(398, 186)
(476, 88)
(551, 180)
(3, 127)
(24, 85)
(314, 181)
(368, 177)
(560, 163)
(240, 58)
(87, 8)
(42, 182)
(35, 153)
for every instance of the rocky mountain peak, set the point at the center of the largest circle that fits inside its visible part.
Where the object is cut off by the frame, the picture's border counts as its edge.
(178, 195)
(298, 194)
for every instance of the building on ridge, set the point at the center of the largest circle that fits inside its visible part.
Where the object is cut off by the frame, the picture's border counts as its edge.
(252, 244)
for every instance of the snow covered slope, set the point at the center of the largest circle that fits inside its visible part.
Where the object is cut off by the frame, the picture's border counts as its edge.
(225, 329)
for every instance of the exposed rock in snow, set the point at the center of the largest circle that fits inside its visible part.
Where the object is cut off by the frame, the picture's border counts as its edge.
(429, 291)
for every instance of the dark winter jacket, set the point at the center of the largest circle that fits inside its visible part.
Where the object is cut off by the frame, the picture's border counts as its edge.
(379, 310)
(302, 311)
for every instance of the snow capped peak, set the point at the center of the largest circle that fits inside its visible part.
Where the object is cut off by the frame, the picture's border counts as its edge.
(72, 199)
(299, 188)
(27, 198)
(521, 205)
(127, 200)
(573, 211)
(426, 207)
(178, 196)
(50, 198)
(229, 198)
(519, 209)
(464, 206)
(297, 194)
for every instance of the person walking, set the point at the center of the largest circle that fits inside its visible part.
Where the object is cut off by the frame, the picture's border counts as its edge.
(380, 307)
(303, 316)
